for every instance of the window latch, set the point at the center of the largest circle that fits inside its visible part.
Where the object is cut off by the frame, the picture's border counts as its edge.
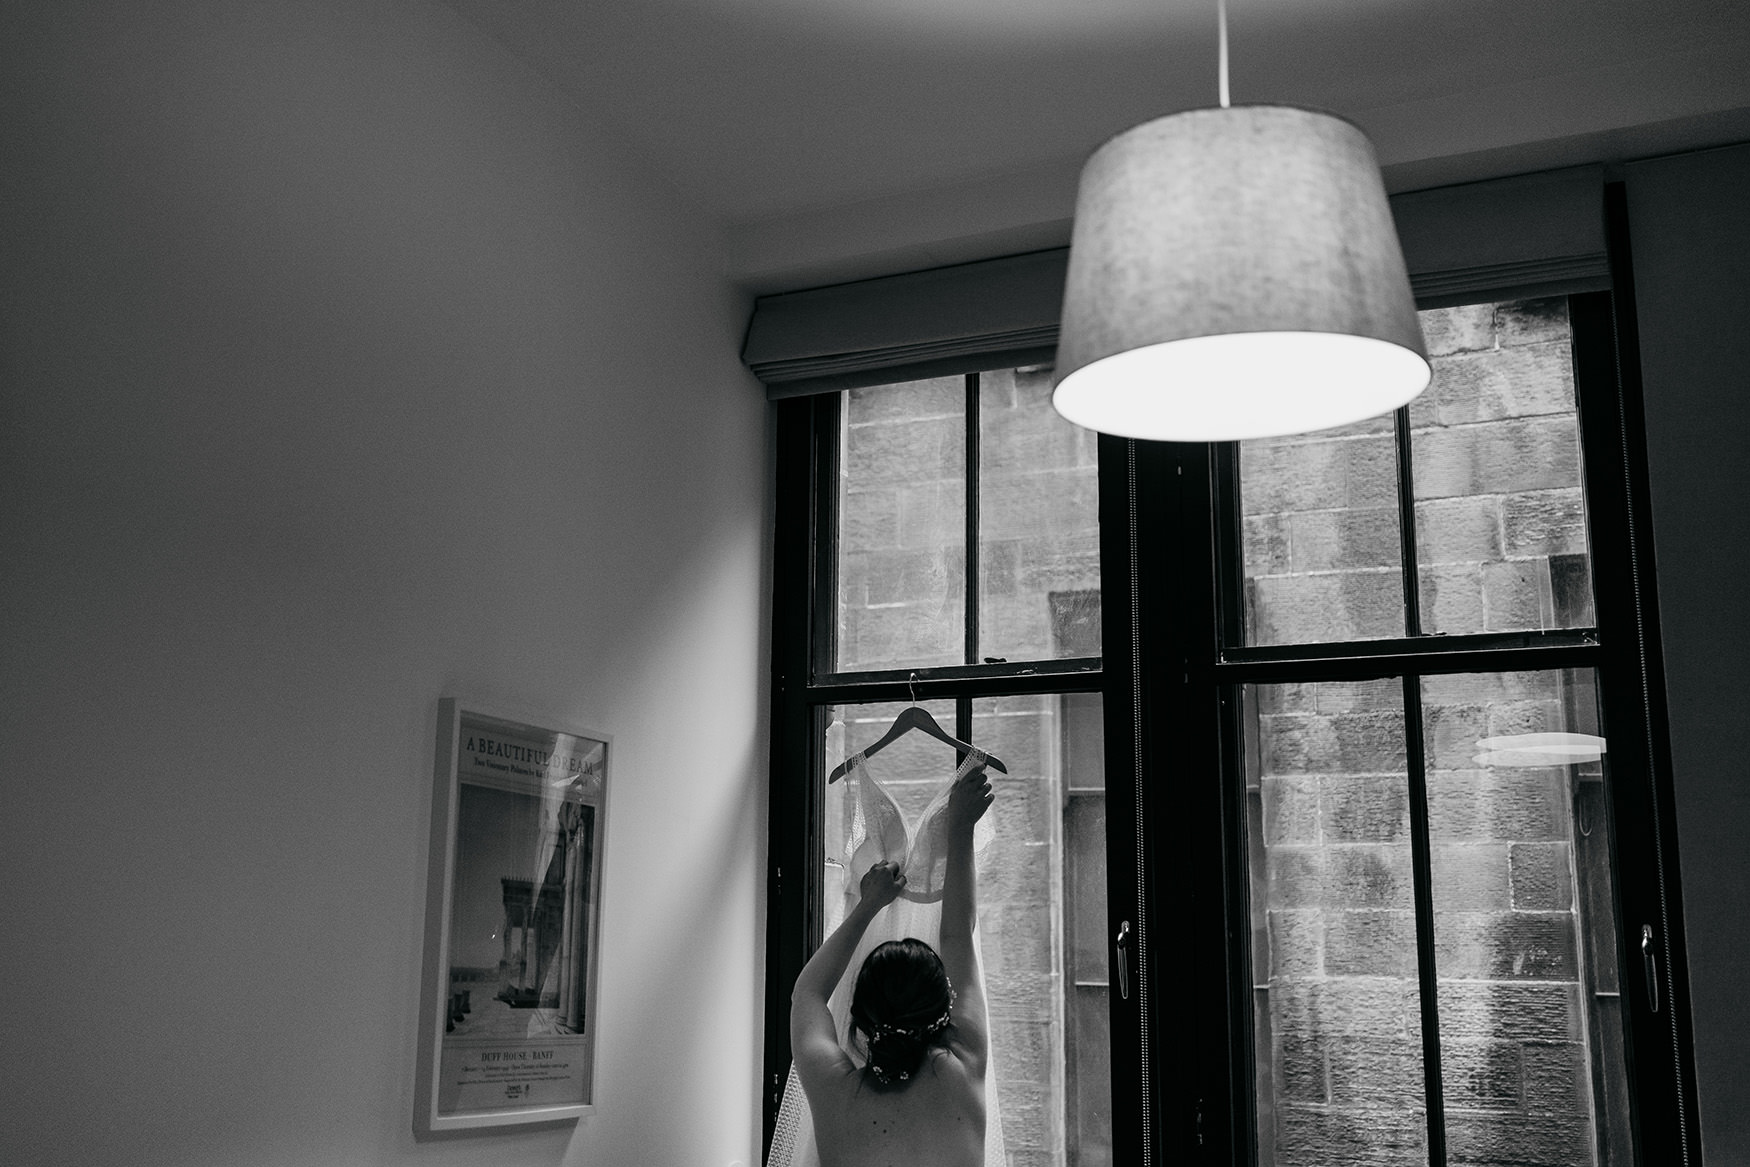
(1650, 965)
(1122, 944)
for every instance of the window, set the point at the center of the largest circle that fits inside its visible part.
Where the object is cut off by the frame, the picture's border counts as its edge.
(957, 562)
(1342, 745)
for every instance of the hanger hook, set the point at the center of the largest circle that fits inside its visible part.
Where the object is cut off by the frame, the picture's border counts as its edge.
(912, 684)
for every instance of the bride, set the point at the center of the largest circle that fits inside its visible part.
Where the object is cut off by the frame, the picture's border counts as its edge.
(908, 1084)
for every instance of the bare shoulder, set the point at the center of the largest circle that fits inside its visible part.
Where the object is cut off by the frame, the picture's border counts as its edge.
(935, 1120)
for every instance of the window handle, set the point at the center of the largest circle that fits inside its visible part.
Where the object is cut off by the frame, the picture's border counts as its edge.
(1122, 944)
(1650, 964)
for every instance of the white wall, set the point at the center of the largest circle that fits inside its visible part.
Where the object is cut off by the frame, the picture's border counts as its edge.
(1691, 242)
(345, 365)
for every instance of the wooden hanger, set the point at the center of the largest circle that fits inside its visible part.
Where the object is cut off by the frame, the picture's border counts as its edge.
(915, 716)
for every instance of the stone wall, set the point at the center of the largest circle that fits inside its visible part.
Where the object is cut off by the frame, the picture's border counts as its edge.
(1501, 546)
(902, 564)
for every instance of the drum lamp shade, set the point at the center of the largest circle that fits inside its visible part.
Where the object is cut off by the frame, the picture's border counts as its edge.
(1235, 273)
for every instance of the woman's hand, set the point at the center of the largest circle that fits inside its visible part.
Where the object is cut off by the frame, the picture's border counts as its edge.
(969, 799)
(882, 884)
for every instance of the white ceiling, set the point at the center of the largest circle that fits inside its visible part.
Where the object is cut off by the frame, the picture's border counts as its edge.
(835, 139)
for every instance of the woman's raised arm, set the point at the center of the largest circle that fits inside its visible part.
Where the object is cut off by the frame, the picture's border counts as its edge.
(967, 802)
(814, 1041)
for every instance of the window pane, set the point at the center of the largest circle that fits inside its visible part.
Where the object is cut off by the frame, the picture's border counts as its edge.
(1038, 522)
(1337, 1013)
(902, 526)
(1320, 542)
(1500, 514)
(1042, 893)
(1524, 930)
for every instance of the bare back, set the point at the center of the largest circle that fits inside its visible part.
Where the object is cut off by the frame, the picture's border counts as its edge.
(934, 1119)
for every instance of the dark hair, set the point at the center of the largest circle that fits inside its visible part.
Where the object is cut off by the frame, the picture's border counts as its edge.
(900, 1007)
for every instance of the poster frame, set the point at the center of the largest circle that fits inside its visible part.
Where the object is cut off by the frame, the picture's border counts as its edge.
(432, 1116)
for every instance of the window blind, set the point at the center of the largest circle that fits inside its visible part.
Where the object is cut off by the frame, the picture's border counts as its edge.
(1531, 235)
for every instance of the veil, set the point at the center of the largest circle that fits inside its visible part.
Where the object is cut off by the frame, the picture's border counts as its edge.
(879, 832)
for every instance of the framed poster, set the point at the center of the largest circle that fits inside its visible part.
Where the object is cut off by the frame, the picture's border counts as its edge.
(513, 908)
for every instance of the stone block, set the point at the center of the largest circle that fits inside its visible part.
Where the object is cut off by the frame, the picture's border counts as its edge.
(1374, 696)
(1063, 562)
(1344, 540)
(1540, 321)
(1022, 815)
(1543, 878)
(928, 578)
(1018, 875)
(1371, 943)
(1291, 810)
(1026, 1048)
(1451, 598)
(932, 516)
(1365, 809)
(1450, 734)
(1025, 440)
(1278, 476)
(1570, 581)
(1290, 698)
(868, 520)
(1372, 1072)
(1300, 1070)
(1341, 743)
(907, 401)
(925, 449)
(1502, 457)
(1544, 522)
(1040, 504)
(1530, 712)
(1265, 544)
(1486, 806)
(1482, 1074)
(1347, 605)
(1319, 474)
(1369, 875)
(1482, 1139)
(1308, 1137)
(1517, 596)
(1029, 1124)
(1297, 944)
(1507, 1011)
(901, 636)
(1470, 877)
(1295, 877)
(1458, 530)
(1527, 381)
(1358, 1006)
(1466, 328)
(1507, 945)
(1017, 735)
(1488, 688)
(999, 572)
(1558, 1077)
(1372, 471)
(1020, 995)
(1016, 626)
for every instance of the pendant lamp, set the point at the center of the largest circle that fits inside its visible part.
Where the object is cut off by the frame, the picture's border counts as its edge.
(1235, 273)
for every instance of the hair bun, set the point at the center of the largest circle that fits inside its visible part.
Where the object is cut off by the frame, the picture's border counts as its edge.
(900, 1007)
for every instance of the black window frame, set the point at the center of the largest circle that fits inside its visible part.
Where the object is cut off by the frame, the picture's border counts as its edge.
(1173, 667)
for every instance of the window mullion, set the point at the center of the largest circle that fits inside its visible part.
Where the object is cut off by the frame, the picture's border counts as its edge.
(1422, 864)
(1407, 526)
(971, 554)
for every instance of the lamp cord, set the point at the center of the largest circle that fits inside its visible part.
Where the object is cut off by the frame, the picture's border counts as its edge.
(1221, 18)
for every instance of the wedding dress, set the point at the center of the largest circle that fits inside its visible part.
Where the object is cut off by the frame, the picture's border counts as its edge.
(880, 832)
